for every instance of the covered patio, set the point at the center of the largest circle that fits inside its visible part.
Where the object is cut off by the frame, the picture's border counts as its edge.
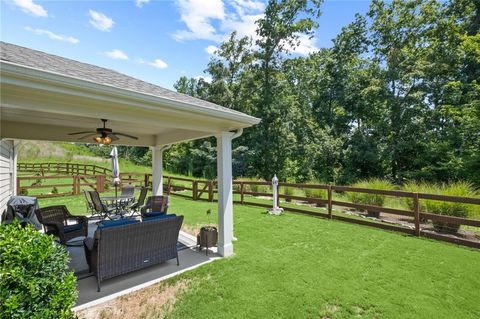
(46, 97)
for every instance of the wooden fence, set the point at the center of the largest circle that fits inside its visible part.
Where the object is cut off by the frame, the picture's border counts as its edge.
(62, 168)
(248, 192)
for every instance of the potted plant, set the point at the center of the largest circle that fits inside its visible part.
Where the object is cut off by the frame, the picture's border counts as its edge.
(208, 236)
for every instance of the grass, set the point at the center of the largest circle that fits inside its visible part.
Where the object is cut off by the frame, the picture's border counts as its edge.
(296, 266)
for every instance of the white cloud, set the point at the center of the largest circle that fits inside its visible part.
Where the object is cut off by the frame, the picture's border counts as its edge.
(100, 21)
(215, 20)
(116, 54)
(53, 36)
(207, 79)
(159, 64)
(28, 6)
(211, 49)
(306, 46)
(140, 3)
(198, 16)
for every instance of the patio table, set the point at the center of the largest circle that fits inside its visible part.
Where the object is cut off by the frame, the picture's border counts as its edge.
(120, 202)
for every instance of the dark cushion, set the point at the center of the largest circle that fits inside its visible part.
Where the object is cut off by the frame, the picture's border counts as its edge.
(153, 214)
(70, 228)
(88, 242)
(158, 217)
(116, 223)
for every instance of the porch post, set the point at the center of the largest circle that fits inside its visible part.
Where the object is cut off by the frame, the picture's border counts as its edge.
(225, 193)
(157, 170)
(16, 145)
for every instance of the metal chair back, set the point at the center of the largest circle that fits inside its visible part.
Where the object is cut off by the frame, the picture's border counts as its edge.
(142, 196)
(98, 206)
(89, 203)
(128, 191)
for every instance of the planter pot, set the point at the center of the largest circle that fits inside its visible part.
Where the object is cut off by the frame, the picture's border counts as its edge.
(373, 214)
(208, 237)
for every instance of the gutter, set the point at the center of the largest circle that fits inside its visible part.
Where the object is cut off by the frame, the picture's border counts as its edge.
(79, 84)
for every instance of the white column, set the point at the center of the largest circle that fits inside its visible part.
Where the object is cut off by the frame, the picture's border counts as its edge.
(157, 170)
(16, 145)
(225, 193)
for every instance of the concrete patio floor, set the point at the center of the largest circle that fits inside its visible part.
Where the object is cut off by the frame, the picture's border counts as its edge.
(88, 296)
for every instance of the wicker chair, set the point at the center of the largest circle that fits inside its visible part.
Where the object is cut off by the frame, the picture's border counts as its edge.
(124, 248)
(136, 206)
(156, 205)
(54, 220)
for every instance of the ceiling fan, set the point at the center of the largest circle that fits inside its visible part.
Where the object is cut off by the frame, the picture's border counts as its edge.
(104, 135)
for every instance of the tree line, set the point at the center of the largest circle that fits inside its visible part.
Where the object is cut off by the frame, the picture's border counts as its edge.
(396, 96)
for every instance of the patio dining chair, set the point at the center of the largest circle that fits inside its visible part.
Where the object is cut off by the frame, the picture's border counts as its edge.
(55, 222)
(136, 206)
(100, 208)
(128, 190)
(90, 207)
(156, 205)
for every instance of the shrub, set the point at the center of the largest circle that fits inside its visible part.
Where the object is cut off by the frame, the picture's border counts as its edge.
(291, 191)
(54, 190)
(34, 278)
(370, 199)
(414, 187)
(23, 192)
(315, 192)
(254, 187)
(450, 208)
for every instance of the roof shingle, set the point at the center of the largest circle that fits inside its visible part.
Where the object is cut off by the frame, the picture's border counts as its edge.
(56, 64)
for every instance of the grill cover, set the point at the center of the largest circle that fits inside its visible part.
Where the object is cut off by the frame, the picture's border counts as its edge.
(23, 208)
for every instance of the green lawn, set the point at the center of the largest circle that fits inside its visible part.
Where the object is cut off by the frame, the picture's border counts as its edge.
(296, 266)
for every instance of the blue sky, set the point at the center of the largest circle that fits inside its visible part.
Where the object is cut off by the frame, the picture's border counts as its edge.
(156, 41)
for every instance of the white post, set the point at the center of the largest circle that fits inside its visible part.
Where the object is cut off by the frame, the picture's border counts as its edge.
(16, 145)
(275, 192)
(157, 171)
(225, 193)
(275, 210)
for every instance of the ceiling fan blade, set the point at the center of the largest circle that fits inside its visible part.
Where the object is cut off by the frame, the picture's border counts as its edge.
(85, 132)
(113, 136)
(126, 135)
(88, 135)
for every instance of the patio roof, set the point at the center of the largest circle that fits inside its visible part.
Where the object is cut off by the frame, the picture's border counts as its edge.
(45, 97)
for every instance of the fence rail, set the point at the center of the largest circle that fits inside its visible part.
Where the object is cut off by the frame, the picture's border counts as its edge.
(198, 189)
(65, 168)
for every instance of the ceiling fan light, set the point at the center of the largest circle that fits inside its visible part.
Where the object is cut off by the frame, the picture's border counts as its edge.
(107, 140)
(98, 139)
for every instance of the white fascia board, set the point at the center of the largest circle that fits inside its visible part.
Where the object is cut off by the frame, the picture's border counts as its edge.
(55, 79)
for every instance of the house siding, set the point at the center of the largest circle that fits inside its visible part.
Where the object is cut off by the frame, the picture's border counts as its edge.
(7, 172)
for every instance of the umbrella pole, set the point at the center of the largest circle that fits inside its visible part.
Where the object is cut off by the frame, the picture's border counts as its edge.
(116, 198)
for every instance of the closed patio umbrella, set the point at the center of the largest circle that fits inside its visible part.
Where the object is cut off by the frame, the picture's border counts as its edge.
(115, 172)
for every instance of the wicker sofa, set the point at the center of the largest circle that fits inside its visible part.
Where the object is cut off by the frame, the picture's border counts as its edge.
(132, 245)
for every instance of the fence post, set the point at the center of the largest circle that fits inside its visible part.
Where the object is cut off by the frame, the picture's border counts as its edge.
(169, 185)
(329, 203)
(210, 191)
(74, 187)
(145, 181)
(100, 179)
(194, 189)
(416, 213)
(241, 192)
